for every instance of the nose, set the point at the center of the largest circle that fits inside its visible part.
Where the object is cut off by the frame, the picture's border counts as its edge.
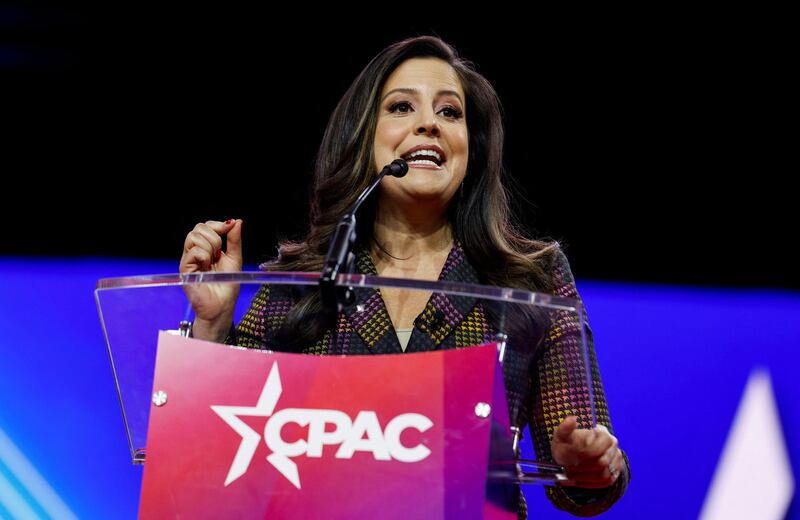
(427, 124)
(430, 129)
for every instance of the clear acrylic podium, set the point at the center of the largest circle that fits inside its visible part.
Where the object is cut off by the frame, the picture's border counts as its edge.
(134, 310)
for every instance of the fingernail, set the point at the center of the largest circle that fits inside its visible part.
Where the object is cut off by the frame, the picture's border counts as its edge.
(229, 221)
(218, 254)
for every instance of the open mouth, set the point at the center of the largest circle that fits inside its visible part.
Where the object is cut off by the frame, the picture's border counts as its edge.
(430, 158)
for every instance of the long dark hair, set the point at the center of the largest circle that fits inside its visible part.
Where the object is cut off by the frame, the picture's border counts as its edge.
(482, 219)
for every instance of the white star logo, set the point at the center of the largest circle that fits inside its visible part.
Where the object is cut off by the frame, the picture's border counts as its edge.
(250, 438)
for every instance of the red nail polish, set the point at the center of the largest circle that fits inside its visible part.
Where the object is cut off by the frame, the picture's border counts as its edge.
(229, 221)
(218, 254)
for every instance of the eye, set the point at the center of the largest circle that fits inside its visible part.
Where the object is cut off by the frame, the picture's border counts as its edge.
(396, 106)
(454, 112)
(404, 107)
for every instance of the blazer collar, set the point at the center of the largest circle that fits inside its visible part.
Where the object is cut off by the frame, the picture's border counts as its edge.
(442, 314)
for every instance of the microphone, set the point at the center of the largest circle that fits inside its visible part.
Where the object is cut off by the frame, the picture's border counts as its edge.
(340, 250)
(436, 321)
(397, 168)
(438, 318)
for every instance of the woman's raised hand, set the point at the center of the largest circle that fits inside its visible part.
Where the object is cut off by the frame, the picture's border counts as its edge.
(213, 304)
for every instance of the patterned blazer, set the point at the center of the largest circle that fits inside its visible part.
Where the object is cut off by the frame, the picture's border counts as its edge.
(540, 381)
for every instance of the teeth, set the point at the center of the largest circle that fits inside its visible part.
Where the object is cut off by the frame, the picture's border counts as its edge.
(431, 153)
(423, 161)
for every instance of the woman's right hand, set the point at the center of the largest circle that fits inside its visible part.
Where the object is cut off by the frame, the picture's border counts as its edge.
(213, 304)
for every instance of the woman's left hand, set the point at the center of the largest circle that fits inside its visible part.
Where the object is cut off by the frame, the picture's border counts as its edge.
(591, 458)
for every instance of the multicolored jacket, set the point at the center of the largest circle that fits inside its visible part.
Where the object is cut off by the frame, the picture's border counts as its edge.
(540, 382)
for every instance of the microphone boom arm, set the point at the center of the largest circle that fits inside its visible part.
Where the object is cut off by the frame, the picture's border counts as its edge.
(340, 257)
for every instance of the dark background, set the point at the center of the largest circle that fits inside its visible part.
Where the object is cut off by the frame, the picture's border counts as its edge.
(653, 145)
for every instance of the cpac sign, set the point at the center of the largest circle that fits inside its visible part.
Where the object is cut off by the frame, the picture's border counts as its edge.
(362, 434)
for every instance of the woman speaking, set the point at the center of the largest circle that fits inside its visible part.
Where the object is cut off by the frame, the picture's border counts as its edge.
(448, 218)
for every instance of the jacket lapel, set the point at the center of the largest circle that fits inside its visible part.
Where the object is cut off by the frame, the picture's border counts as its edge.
(368, 315)
(442, 314)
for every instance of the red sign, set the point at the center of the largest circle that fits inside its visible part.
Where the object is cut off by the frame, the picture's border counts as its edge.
(245, 433)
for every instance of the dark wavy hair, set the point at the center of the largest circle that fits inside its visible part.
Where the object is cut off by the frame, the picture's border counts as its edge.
(482, 219)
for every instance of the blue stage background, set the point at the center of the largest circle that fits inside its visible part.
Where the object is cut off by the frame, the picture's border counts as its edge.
(674, 362)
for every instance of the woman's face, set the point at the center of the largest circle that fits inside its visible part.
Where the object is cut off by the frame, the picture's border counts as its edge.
(423, 103)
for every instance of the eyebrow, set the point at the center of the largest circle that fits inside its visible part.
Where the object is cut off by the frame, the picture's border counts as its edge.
(415, 92)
